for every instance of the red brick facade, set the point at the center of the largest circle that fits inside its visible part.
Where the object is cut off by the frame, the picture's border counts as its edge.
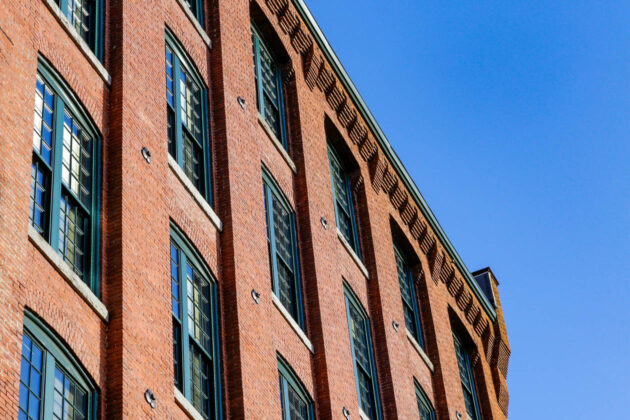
(131, 351)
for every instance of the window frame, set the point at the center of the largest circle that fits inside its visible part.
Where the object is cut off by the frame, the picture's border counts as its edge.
(259, 40)
(55, 353)
(288, 378)
(272, 191)
(422, 399)
(188, 254)
(351, 299)
(417, 333)
(96, 40)
(197, 10)
(66, 100)
(460, 346)
(354, 242)
(182, 59)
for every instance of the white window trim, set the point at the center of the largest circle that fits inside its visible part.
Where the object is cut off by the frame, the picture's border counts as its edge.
(419, 350)
(185, 405)
(353, 254)
(292, 323)
(66, 272)
(277, 143)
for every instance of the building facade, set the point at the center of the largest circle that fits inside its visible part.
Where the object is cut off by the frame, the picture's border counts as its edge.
(200, 218)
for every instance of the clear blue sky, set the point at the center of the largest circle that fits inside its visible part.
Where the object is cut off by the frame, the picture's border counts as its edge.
(513, 117)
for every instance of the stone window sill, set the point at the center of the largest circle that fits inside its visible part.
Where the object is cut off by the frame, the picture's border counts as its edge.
(185, 405)
(421, 352)
(292, 322)
(196, 194)
(362, 415)
(83, 46)
(276, 142)
(353, 254)
(66, 272)
(195, 23)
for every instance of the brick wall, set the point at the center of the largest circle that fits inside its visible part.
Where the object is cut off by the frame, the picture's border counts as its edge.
(132, 350)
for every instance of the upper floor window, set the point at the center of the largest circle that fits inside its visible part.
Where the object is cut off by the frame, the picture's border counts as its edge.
(344, 206)
(195, 328)
(268, 76)
(86, 17)
(283, 251)
(295, 401)
(409, 297)
(64, 197)
(425, 409)
(196, 7)
(362, 356)
(186, 99)
(467, 378)
(52, 383)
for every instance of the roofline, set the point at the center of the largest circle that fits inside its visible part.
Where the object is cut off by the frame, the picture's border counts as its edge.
(367, 115)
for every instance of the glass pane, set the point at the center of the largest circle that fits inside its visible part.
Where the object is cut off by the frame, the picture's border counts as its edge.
(177, 355)
(192, 161)
(79, 14)
(199, 326)
(73, 225)
(201, 384)
(190, 94)
(70, 399)
(30, 379)
(76, 168)
(359, 338)
(342, 200)
(43, 125)
(298, 409)
(406, 290)
(38, 205)
(365, 389)
(175, 282)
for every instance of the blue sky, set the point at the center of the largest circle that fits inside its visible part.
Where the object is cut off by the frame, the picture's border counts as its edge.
(513, 118)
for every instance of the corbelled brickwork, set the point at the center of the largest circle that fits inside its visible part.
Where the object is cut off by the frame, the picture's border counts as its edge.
(130, 350)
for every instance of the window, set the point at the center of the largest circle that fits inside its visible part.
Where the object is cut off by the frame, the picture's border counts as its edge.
(295, 401)
(195, 328)
(425, 409)
(409, 297)
(283, 252)
(344, 207)
(467, 379)
(52, 383)
(64, 196)
(362, 356)
(186, 99)
(196, 7)
(86, 17)
(268, 78)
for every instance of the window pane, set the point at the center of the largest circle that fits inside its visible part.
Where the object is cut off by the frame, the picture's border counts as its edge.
(465, 374)
(70, 400)
(359, 338)
(76, 168)
(298, 409)
(43, 125)
(192, 161)
(73, 225)
(199, 326)
(177, 354)
(408, 296)
(38, 214)
(30, 379)
(425, 412)
(343, 203)
(175, 283)
(365, 389)
(190, 104)
(79, 14)
(200, 380)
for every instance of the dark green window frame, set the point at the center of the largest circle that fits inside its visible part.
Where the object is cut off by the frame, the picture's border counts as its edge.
(196, 345)
(66, 174)
(86, 17)
(51, 379)
(196, 7)
(467, 378)
(281, 258)
(344, 208)
(409, 297)
(293, 394)
(187, 115)
(425, 408)
(365, 369)
(270, 98)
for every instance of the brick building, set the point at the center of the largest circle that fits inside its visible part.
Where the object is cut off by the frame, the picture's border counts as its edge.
(214, 226)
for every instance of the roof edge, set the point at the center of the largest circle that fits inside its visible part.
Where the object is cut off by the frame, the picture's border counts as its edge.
(367, 115)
